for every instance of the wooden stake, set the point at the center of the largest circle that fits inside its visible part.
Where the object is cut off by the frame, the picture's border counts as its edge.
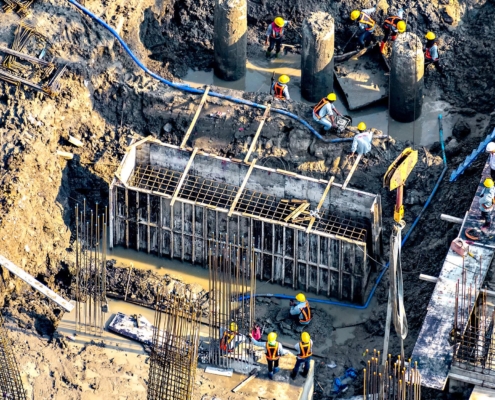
(255, 139)
(183, 177)
(239, 192)
(198, 111)
(358, 158)
(320, 204)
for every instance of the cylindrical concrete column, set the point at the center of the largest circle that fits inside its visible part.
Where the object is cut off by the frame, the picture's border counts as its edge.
(230, 39)
(406, 78)
(317, 56)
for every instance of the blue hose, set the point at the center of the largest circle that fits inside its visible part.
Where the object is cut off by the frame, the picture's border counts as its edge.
(189, 89)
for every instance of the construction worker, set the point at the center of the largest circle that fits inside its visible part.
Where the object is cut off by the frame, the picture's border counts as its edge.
(274, 36)
(487, 201)
(230, 338)
(273, 350)
(300, 309)
(361, 143)
(304, 352)
(392, 26)
(490, 149)
(323, 112)
(280, 88)
(366, 24)
(431, 52)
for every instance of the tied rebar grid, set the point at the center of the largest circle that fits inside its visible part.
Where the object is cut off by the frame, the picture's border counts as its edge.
(91, 258)
(392, 381)
(10, 378)
(174, 350)
(472, 334)
(231, 276)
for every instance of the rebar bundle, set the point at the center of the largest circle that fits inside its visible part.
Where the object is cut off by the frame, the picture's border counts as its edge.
(91, 258)
(174, 351)
(232, 276)
(392, 381)
(10, 378)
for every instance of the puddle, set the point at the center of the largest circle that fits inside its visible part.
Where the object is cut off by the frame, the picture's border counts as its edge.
(423, 131)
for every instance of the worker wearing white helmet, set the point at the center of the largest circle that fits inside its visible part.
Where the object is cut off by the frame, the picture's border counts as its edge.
(490, 149)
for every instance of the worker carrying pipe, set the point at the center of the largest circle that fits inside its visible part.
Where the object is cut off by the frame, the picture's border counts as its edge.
(366, 24)
(431, 52)
(361, 144)
(275, 35)
(300, 310)
(273, 351)
(324, 110)
(280, 89)
(490, 149)
(393, 25)
(487, 203)
(304, 352)
(230, 338)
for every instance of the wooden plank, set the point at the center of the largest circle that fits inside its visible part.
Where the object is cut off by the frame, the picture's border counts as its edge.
(296, 212)
(256, 136)
(243, 185)
(219, 371)
(183, 177)
(320, 204)
(353, 169)
(195, 119)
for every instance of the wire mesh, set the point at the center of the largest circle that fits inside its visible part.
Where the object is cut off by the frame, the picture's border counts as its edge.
(174, 350)
(91, 258)
(10, 378)
(231, 276)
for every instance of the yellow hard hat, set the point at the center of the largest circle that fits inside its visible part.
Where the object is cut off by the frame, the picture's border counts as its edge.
(430, 35)
(284, 79)
(488, 183)
(272, 336)
(279, 21)
(332, 97)
(361, 126)
(233, 327)
(300, 297)
(305, 338)
(355, 14)
(401, 26)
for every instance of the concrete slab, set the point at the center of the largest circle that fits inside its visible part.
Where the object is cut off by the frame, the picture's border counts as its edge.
(363, 80)
(482, 393)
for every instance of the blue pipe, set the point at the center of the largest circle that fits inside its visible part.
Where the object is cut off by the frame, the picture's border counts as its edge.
(189, 89)
(382, 272)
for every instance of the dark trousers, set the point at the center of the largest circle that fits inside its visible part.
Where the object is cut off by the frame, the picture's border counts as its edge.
(300, 361)
(275, 42)
(272, 364)
(364, 38)
(487, 216)
(492, 174)
(436, 63)
(387, 31)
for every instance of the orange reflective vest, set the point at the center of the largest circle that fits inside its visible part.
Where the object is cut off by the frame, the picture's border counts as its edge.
(323, 102)
(392, 21)
(226, 340)
(278, 89)
(306, 313)
(305, 350)
(272, 352)
(367, 20)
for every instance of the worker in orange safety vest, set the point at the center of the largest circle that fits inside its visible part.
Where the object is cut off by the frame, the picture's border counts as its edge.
(300, 309)
(273, 351)
(304, 351)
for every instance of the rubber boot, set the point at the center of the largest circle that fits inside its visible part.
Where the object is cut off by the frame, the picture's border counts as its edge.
(268, 54)
(275, 370)
(277, 55)
(270, 375)
(304, 374)
(382, 47)
(293, 375)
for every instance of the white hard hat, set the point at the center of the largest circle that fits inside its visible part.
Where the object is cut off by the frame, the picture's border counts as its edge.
(490, 147)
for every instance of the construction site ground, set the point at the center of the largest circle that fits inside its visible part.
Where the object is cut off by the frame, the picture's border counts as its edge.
(106, 100)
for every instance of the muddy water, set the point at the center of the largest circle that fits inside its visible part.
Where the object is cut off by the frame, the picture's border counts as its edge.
(423, 131)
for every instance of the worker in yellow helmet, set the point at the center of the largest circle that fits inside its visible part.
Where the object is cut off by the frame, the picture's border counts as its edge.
(230, 338)
(366, 25)
(361, 143)
(273, 351)
(487, 202)
(304, 351)
(274, 36)
(431, 52)
(323, 112)
(280, 89)
(392, 26)
(300, 310)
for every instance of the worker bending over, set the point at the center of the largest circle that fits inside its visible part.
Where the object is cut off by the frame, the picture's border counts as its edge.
(361, 143)
(304, 352)
(490, 149)
(323, 112)
(230, 338)
(392, 26)
(300, 309)
(273, 350)
(366, 24)
(274, 36)
(487, 200)
(431, 52)
(280, 88)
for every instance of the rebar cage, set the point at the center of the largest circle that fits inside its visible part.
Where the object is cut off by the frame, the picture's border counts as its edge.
(10, 378)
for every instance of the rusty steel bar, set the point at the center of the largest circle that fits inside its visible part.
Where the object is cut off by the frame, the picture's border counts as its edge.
(10, 379)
